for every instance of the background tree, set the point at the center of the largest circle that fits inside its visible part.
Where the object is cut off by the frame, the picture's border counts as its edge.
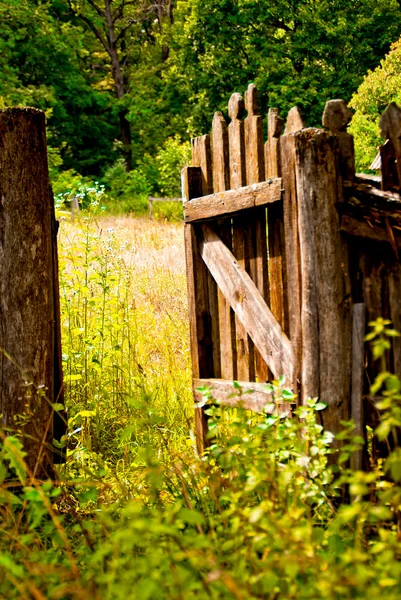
(121, 28)
(297, 52)
(380, 87)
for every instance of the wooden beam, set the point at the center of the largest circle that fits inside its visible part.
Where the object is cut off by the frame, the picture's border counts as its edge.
(221, 204)
(372, 196)
(362, 229)
(249, 395)
(248, 304)
(373, 180)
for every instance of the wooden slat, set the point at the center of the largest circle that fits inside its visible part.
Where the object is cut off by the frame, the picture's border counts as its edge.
(248, 304)
(295, 121)
(358, 370)
(394, 281)
(256, 249)
(290, 209)
(251, 396)
(373, 180)
(275, 220)
(221, 182)
(390, 129)
(198, 302)
(202, 157)
(236, 137)
(336, 117)
(272, 147)
(371, 197)
(325, 284)
(255, 159)
(224, 204)
(363, 229)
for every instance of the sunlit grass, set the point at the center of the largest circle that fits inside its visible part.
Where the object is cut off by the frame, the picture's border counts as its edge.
(125, 338)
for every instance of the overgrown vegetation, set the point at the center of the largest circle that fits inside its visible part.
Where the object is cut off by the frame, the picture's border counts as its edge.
(266, 513)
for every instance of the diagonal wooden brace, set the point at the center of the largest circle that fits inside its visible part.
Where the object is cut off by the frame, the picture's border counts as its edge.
(248, 304)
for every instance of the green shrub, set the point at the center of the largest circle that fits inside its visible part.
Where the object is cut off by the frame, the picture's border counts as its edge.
(171, 159)
(378, 89)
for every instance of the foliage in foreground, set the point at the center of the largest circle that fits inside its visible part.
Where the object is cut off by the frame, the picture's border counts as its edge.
(135, 513)
(256, 517)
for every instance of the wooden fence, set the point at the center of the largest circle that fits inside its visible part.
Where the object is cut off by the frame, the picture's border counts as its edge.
(289, 255)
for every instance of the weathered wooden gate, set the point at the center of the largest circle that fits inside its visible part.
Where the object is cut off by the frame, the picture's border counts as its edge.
(279, 280)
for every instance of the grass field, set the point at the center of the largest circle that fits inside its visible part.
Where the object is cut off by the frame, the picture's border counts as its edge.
(125, 338)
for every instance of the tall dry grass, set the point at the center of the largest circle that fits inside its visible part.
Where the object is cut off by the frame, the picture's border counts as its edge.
(125, 338)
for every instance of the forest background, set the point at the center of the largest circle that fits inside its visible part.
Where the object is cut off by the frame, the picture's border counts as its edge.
(126, 83)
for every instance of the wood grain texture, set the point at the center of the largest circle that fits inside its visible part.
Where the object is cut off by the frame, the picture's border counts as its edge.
(28, 353)
(202, 157)
(251, 396)
(201, 343)
(236, 136)
(390, 129)
(60, 417)
(248, 304)
(231, 202)
(363, 229)
(275, 225)
(221, 183)
(295, 121)
(291, 240)
(336, 117)
(275, 126)
(256, 249)
(358, 371)
(326, 288)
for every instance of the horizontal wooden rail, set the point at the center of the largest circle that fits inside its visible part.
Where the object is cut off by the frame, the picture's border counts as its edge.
(363, 229)
(369, 194)
(248, 304)
(230, 202)
(251, 396)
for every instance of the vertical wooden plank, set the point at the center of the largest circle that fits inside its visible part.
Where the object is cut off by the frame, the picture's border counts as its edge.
(236, 137)
(390, 129)
(198, 302)
(336, 117)
(257, 229)
(202, 157)
(358, 370)
(221, 182)
(272, 147)
(295, 121)
(275, 219)
(60, 417)
(394, 281)
(291, 241)
(326, 315)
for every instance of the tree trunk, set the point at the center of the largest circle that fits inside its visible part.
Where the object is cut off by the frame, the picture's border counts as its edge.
(120, 85)
(29, 337)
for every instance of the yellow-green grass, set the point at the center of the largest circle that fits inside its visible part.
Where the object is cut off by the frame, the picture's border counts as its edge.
(124, 339)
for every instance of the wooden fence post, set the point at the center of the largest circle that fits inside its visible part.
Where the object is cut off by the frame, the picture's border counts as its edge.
(314, 188)
(30, 357)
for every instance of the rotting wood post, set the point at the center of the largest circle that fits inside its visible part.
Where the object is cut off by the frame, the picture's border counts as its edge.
(318, 276)
(30, 350)
(200, 321)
